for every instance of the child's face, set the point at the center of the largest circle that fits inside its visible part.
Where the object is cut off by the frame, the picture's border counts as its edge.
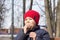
(30, 22)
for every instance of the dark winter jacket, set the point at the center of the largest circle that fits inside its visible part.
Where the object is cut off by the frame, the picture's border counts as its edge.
(41, 34)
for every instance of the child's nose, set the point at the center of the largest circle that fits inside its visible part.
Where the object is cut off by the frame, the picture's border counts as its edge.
(27, 21)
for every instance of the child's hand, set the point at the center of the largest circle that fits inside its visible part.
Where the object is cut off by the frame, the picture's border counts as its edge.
(27, 27)
(32, 35)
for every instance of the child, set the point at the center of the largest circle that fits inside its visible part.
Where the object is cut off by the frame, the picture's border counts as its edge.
(31, 30)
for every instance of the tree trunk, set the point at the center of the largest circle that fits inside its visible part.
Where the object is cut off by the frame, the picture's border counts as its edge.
(48, 17)
(54, 17)
(12, 24)
(31, 5)
(24, 3)
(58, 19)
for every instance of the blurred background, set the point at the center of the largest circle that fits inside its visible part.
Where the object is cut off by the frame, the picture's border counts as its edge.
(12, 11)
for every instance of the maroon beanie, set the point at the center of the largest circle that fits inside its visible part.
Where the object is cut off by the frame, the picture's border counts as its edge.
(33, 14)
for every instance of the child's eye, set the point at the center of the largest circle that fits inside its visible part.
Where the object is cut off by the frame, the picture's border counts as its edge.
(30, 19)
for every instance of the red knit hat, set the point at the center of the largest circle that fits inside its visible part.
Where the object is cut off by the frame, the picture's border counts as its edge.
(33, 14)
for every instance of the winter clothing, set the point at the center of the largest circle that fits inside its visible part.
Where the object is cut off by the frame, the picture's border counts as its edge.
(40, 34)
(33, 14)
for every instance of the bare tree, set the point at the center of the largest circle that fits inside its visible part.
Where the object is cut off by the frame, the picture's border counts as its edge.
(54, 17)
(24, 4)
(31, 5)
(2, 11)
(58, 19)
(48, 16)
